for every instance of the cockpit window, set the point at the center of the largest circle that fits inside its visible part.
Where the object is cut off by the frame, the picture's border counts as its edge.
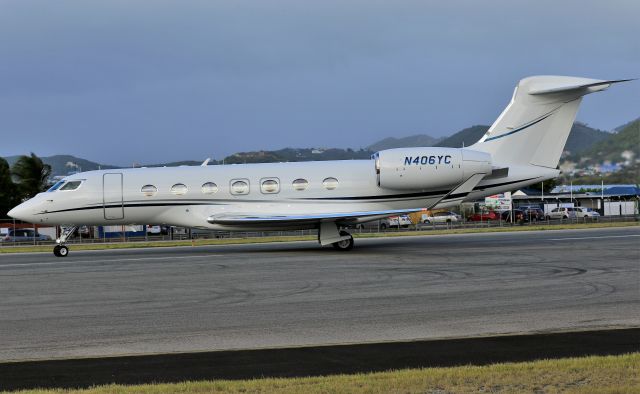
(71, 185)
(56, 186)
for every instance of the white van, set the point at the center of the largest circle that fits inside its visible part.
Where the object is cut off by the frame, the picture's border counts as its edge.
(395, 221)
(562, 213)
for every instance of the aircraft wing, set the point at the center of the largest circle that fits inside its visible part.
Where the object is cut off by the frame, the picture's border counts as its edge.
(340, 218)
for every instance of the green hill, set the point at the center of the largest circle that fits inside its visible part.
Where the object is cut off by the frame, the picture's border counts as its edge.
(585, 144)
(581, 138)
(620, 147)
(404, 142)
(625, 125)
(465, 137)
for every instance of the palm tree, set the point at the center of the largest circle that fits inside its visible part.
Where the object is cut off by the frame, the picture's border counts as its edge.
(7, 189)
(31, 174)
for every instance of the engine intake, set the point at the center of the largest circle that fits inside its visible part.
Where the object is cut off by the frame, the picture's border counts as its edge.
(428, 168)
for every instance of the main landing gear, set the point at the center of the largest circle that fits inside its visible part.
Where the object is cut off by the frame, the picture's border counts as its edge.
(61, 250)
(329, 234)
(345, 244)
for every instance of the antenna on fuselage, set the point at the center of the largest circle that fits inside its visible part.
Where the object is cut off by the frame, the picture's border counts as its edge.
(206, 162)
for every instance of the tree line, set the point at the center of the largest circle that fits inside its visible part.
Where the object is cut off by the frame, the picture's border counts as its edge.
(28, 176)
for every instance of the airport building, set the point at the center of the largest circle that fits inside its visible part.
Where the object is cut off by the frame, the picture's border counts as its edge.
(613, 201)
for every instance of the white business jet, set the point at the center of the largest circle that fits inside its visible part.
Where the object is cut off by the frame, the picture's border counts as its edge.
(521, 148)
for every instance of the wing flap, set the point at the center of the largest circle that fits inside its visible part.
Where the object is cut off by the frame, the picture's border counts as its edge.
(246, 219)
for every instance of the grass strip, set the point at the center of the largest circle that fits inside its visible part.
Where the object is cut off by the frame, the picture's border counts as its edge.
(595, 374)
(232, 241)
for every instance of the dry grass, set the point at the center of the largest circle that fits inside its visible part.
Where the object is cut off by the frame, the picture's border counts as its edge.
(231, 241)
(610, 374)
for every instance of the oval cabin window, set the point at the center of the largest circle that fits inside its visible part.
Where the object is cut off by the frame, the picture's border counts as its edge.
(270, 186)
(300, 184)
(149, 190)
(179, 189)
(330, 183)
(239, 187)
(209, 188)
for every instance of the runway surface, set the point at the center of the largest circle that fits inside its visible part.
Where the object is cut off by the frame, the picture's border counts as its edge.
(119, 302)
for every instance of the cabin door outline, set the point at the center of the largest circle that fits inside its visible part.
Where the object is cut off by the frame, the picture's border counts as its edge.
(112, 196)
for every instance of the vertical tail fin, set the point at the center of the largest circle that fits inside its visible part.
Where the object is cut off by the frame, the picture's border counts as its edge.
(534, 127)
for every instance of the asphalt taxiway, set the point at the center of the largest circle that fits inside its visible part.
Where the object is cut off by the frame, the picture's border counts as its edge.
(163, 300)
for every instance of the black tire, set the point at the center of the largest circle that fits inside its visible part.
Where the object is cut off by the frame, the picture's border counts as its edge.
(61, 251)
(548, 217)
(383, 226)
(345, 245)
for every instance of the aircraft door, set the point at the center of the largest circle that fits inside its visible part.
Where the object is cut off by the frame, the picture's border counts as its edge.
(112, 196)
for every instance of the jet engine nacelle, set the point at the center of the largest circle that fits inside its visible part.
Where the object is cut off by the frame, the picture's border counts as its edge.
(428, 168)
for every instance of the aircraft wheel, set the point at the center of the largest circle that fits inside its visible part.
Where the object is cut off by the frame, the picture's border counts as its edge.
(60, 251)
(344, 245)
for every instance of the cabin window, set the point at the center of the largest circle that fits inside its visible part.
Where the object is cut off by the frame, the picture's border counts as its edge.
(270, 186)
(179, 189)
(239, 187)
(71, 185)
(56, 186)
(209, 188)
(300, 184)
(330, 183)
(149, 190)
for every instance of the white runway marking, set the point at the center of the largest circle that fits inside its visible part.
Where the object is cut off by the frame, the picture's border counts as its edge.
(106, 261)
(600, 237)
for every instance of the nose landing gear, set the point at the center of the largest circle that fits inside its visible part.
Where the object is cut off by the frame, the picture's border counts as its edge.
(61, 250)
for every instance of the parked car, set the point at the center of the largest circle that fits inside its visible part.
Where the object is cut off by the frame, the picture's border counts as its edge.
(562, 213)
(532, 214)
(175, 230)
(154, 230)
(395, 221)
(588, 213)
(157, 230)
(484, 216)
(518, 216)
(24, 235)
(443, 217)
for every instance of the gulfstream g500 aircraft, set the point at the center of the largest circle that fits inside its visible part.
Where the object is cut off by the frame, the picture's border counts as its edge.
(521, 148)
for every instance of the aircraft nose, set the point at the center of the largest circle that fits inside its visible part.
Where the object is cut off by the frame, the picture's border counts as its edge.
(18, 212)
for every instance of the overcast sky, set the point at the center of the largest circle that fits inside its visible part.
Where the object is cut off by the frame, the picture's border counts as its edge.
(154, 81)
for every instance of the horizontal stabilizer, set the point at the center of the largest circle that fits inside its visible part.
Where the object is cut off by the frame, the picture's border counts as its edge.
(593, 85)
